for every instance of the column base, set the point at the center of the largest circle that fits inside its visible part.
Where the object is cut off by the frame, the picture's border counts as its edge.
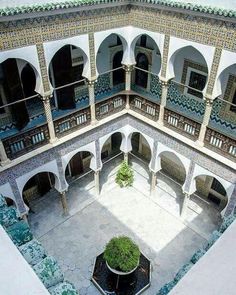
(94, 122)
(53, 140)
(5, 162)
(200, 143)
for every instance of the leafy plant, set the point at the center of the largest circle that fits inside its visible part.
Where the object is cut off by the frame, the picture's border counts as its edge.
(122, 254)
(125, 175)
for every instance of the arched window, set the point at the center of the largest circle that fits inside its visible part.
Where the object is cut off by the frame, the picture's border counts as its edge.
(118, 76)
(141, 77)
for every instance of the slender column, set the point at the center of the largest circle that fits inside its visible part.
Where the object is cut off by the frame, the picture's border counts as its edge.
(3, 156)
(206, 119)
(127, 102)
(164, 88)
(96, 182)
(126, 157)
(185, 204)
(64, 203)
(128, 71)
(153, 182)
(92, 100)
(48, 113)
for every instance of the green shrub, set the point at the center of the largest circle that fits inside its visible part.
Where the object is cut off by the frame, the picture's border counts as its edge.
(125, 175)
(122, 254)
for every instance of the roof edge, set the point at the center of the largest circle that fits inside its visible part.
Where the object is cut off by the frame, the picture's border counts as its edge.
(47, 7)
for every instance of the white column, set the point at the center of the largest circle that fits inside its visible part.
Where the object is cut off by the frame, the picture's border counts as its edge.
(126, 157)
(206, 119)
(3, 156)
(128, 72)
(97, 183)
(164, 90)
(185, 204)
(48, 113)
(64, 203)
(153, 182)
(92, 100)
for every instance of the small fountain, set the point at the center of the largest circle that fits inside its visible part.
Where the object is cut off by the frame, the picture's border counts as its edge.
(121, 269)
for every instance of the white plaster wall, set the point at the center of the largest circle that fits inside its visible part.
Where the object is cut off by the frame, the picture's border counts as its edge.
(176, 44)
(227, 59)
(7, 192)
(86, 148)
(99, 37)
(30, 55)
(82, 42)
(48, 167)
(103, 55)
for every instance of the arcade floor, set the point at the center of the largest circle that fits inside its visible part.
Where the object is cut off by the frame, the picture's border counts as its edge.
(153, 222)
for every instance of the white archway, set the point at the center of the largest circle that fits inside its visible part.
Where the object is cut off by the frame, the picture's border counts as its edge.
(177, 44)
(80, 42)
(28, 54)
(227, 60)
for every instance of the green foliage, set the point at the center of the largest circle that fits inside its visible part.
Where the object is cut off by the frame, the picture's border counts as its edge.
(122, 254)
(125, 175)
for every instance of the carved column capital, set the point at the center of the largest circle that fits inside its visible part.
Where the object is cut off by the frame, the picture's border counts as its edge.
(208, 101)
(90, 83)
(128, 68)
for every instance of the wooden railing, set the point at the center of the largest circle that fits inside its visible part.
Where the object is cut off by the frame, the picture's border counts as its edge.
(220, 143)
(145, 107)
(24, 142)
(110, 106)
(181, 124)
(72, 122)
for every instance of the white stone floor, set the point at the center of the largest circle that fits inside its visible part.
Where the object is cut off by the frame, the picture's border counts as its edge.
(153, 222)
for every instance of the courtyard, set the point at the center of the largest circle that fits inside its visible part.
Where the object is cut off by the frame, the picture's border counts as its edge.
(153, 222)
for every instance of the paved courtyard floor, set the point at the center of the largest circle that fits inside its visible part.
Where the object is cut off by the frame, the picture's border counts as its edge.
(153, 222)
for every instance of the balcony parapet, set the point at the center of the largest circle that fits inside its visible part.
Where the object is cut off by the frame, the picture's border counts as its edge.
(181, 124)
(23, 142)
(145, 107)
(220, 143)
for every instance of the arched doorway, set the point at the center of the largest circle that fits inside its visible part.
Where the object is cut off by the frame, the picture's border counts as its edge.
(66, 67)
(36, 187)
(172, 167)
(140, 147)
(212, 191)
(111, 147)
(141, 77)
(118, 76)
(78, 165)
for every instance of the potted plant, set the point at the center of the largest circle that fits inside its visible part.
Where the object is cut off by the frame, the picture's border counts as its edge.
(122, 255)
(125, 175)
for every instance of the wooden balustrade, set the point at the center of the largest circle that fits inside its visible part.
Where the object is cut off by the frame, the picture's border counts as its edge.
(24, 142)
(110, 106)
(145, 107)
(72, 122)
(220, 143)
(181, 124)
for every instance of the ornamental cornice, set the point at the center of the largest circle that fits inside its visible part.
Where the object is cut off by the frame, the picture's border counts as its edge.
(64, 6)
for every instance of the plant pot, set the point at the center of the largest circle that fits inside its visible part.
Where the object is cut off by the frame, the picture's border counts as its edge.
(121, 273)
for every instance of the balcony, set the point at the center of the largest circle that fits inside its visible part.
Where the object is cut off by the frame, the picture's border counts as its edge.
(184, 104)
